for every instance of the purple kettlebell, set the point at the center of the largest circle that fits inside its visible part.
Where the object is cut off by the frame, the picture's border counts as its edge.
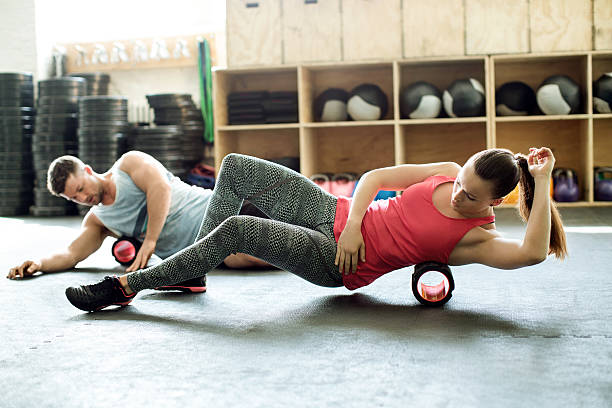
(603, 184)
(566, 185)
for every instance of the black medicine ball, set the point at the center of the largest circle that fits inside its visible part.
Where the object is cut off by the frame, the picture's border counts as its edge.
(602, 94)
(514, 99)
(558, 95)
(367, 102)
(420, 100)
(464, 98)
(330, 105)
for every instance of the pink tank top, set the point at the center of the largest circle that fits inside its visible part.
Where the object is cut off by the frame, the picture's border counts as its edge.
(404, 231)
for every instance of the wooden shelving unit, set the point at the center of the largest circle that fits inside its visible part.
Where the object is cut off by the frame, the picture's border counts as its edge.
(580, 141)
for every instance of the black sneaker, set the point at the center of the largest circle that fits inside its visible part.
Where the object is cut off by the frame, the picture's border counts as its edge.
(91, 298)
(195, 285)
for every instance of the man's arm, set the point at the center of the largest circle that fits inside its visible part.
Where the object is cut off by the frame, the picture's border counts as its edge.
(148, 175)
(88, 241)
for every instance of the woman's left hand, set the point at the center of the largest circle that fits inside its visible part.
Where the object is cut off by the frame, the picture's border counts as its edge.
(541, 162)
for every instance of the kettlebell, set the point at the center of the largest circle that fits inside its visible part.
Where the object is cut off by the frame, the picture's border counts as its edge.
(566, 185)
(125, 249)
(603, 183)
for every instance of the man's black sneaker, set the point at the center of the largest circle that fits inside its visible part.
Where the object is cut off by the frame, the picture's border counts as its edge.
(195, 285)
(91, 298)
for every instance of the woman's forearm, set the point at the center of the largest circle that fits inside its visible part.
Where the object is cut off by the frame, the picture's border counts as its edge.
(366, 190)
(537, 235)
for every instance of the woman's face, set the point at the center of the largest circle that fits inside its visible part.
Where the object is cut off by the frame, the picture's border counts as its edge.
(471, 194)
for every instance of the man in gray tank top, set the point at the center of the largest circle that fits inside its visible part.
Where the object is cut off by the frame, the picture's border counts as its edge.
(137, 197)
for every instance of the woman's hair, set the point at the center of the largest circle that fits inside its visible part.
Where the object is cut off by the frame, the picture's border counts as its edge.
(59, 171)
(505, 170)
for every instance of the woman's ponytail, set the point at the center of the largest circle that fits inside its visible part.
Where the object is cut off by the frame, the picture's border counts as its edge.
(558, 244)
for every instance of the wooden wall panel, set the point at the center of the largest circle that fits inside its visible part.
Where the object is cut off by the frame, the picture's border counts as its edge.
(496, 26)
(602, 21)
(371, 29)
(561, 25)
(312, 31)
(433, 28)
(253, 33)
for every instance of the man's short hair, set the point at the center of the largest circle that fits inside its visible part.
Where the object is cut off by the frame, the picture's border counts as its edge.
(59, 171)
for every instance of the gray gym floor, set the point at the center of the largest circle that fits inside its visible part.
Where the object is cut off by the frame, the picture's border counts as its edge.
(539, 336)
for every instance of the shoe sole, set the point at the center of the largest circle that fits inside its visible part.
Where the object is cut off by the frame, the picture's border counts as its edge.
(113, 304)
(185, 289)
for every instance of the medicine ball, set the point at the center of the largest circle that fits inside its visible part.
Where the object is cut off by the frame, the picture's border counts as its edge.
(367, 102)
(420, 100)
(463, 98)
(602, 94)
(514, 99)
(330, 105)
(558, 95)
(125, 249)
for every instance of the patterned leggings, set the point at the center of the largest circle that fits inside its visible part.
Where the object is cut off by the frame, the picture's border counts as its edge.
(298, 238)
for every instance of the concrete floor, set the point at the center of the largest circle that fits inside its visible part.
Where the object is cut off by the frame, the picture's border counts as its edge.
(535, 337)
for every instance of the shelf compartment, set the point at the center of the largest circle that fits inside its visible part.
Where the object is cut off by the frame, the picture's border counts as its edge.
(442, 73)
(262, 143)
(243, 80)
(535, 118)
(602, 143)
(314, 79)
(601, 63)
(568, 140)
(534, 69)
(430, 143)
(346, 149)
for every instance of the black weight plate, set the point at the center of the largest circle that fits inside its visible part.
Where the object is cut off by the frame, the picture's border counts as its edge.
(57, 116)
(52, 211)
(58, 109)
(20, 181)
(52, 100)
(104, 99)
(92, 76)
(103, 120)
(16, 102)
(10, 211)
(104, 134)
(16, 76)
(7, 111)
(102, 144)
(157, 130)
(53, 92)
(46, 137)
(63, 81)
(53, 146)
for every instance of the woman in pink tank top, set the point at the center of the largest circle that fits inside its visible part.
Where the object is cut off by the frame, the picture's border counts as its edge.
(445, 214)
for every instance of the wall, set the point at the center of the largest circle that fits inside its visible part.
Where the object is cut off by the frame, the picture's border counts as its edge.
(17, 36)
(74, 21)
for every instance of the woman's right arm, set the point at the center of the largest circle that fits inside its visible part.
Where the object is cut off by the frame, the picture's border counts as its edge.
(351, 248)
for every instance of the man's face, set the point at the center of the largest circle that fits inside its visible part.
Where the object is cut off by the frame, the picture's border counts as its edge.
(83, 188)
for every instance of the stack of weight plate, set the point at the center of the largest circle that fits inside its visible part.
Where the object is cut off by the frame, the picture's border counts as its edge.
(180, 110)
(55, 135)
(97, 82)
(16, 127)
(163, 143)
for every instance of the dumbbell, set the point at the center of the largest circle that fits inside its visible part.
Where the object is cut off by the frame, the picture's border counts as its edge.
(125, 249)
(432, 283)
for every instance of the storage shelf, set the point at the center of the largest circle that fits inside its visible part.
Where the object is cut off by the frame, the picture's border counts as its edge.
(602, 116)
(579, 141)
(536, 118)
(349, 123)
(442, 121)
(259, 127)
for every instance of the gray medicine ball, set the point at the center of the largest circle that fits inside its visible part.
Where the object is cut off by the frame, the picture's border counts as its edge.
(367, 102)
(558, 95)
(514, 99)
(464, 98)
(330, 105)
(420, 100)
(602, 94)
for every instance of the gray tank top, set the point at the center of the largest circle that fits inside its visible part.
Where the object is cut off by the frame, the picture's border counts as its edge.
(128, 214)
